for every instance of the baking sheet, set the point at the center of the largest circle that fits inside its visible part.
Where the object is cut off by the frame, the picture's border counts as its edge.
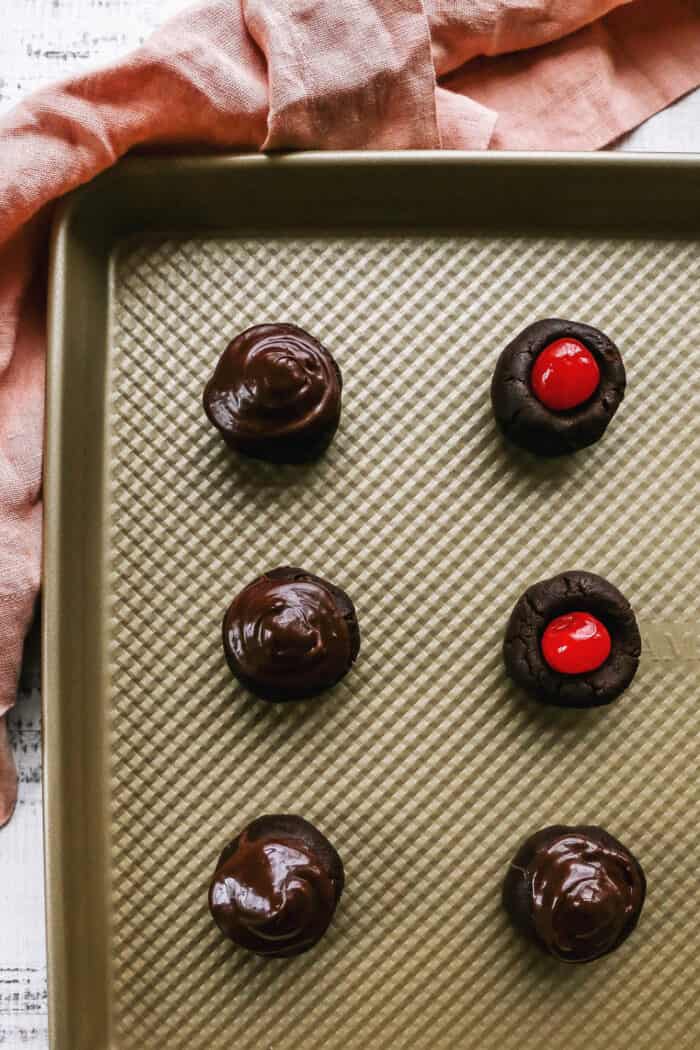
(425, 767)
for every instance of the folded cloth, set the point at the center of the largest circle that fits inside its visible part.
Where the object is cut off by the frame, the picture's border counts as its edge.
(267, 74)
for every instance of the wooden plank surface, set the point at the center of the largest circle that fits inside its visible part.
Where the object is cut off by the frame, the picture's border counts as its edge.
(43, 40)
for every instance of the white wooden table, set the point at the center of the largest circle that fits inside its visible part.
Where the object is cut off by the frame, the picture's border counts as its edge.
(43, 40)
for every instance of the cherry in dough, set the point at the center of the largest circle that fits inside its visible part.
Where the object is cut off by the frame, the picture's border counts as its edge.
(565, 375)
(576, 643)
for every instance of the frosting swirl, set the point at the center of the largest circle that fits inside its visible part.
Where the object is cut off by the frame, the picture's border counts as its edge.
(290, 634)
(576, 891)
(276, 886)
(275, 393)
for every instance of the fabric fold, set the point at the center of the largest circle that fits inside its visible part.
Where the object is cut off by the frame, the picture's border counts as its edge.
(585, 90)
(465, 29)
(346, 76)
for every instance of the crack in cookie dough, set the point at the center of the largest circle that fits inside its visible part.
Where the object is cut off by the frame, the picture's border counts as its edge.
(545, 601)
(530, 424)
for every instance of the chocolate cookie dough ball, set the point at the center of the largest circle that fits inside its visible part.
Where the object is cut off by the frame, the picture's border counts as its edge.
(557, 386)
(289, 635)
(576, 892)
(573, 641)
(276, 886)
(275, 394)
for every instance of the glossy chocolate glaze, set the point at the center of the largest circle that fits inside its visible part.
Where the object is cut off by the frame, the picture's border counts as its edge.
(576, 891)
(290, 634)
(276, 886)
(275, 394)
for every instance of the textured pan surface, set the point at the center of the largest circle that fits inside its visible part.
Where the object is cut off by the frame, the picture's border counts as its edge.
(424, 767)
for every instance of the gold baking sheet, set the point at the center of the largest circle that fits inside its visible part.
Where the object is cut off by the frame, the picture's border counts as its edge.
(425, 767)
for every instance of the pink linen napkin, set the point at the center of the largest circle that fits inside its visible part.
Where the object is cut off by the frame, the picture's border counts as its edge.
(270, 74)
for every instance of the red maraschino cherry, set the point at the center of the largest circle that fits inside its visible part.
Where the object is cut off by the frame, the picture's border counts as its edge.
(575, 643)
(564, 375)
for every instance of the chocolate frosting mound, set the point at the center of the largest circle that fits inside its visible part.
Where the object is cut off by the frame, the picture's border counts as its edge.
(275, 394)
(525, 420)
(575, 891)
(290, 634)
(573, 591)
(276, 886)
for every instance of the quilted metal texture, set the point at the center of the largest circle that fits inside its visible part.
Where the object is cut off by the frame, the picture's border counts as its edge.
(425, 767)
